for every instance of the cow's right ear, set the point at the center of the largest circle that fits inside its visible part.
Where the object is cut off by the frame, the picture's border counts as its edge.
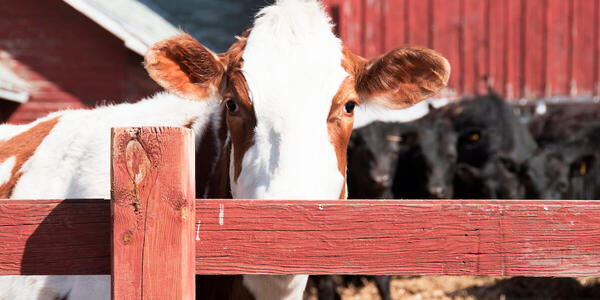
(184, 67)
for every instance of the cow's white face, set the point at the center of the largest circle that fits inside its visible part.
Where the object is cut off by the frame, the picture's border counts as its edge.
(289, 88)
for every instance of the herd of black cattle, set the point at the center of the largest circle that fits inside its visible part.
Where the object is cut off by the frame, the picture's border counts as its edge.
(479, 149)
(475, 149)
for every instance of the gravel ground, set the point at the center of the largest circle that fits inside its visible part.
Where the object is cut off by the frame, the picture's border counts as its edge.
(473, 288)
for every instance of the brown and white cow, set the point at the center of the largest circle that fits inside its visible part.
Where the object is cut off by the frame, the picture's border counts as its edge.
(273, 116)
(289, 89)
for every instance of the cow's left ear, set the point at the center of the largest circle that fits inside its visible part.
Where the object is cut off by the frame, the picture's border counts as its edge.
(185, 68)
(402, 77)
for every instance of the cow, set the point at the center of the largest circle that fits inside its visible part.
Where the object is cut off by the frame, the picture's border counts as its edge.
(412, 160)
(567, 169)
(398, 160)
(562, 121)
(491, 145)
(285, 94)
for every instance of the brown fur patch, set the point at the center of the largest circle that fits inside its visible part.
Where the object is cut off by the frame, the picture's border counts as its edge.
(22, 147)
(184, 67)
(242, 123)
(339, 125)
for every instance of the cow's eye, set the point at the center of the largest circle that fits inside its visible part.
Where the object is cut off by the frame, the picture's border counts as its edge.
(474, 137)
(231, 106)
(583, 166)
(349, 107)
(407, 138)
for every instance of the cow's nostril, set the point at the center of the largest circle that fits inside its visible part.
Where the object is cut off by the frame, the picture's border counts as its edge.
(437, 191)
(382, 180)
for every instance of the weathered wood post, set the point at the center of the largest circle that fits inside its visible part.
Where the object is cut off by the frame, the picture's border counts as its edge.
(153, 194)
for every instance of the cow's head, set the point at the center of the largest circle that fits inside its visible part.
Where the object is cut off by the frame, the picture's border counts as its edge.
(290, 89)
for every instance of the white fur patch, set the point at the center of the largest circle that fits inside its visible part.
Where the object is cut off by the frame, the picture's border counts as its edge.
(292, 65)
(280, 287)
(6, 168)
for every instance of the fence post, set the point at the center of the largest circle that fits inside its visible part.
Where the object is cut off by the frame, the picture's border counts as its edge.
(153, 193)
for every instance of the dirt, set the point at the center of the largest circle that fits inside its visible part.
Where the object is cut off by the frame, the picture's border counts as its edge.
(473, 288)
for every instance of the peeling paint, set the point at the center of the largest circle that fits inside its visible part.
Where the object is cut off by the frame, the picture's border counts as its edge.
(221, 213)
(198, 232)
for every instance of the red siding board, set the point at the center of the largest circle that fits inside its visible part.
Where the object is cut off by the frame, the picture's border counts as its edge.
(395, 24)
(474, 46)
(513, 38)
(352, 25)
(583, 48)
(374, 23)
(419, 22)
(446, 36)
(557, 57)
(497, 47)
(534, 49)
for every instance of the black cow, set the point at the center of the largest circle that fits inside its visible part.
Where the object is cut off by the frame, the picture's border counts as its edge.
(563, 121)
(398, 160)
(567, 169)
(403, 160)
(491, 146)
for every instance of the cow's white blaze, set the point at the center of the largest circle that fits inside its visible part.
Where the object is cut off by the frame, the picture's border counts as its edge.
(292, 65)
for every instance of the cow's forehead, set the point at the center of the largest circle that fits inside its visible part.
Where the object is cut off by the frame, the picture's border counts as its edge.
(292, 60)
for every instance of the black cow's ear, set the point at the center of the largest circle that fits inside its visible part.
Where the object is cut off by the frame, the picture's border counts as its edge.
(509, 165)
(466, 172)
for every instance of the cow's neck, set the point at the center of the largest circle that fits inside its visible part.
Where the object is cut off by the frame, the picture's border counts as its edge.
(212, 181)
(212, 160)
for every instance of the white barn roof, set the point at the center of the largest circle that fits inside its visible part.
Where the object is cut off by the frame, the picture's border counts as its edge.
(131, 21)
(12, 87)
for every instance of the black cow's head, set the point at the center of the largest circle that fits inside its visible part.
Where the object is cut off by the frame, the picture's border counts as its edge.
(491, 146)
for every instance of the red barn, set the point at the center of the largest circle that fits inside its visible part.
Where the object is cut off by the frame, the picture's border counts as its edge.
(76, 53)
(523, 49)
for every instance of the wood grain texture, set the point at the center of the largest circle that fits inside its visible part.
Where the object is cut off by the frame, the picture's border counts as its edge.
(446, 36)
(535, 238)
(419, 22)
(59, 237)
(374, 28)
(558, 41)
(497, 33)
(395, 24)
(583, 31)
(442, 237)
(534, 48)
(153, 195)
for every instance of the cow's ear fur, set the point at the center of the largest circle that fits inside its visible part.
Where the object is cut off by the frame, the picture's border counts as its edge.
(184, 67)
(402, 77)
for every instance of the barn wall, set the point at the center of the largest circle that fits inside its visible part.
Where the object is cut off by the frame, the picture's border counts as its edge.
(68, 60)
(523, 49)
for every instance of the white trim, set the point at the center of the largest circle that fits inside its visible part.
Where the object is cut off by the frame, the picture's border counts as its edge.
(131, 21)
(15, 96)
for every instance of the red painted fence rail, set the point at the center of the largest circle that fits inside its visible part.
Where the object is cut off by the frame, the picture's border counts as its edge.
(428, 237)
(153, 226)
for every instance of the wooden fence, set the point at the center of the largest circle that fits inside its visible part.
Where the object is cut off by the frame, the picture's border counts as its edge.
(523, 49)
(148, 229)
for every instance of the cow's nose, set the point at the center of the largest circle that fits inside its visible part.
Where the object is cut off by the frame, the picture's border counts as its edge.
(437, 191)
(382, 180)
